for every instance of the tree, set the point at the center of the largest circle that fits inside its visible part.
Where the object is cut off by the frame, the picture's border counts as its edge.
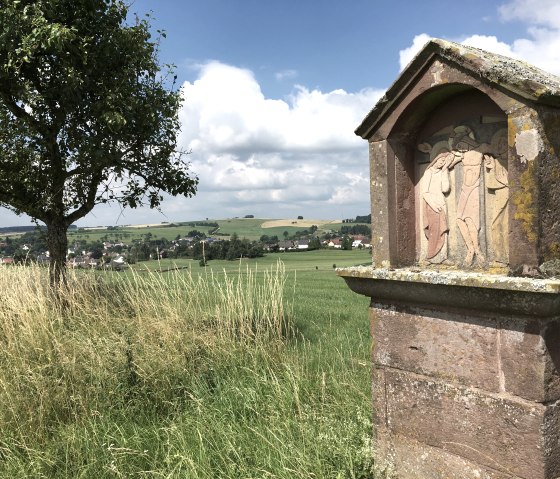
(96, 253)
(346, 243)
(87, 115)
(314, 243)
(356, 230)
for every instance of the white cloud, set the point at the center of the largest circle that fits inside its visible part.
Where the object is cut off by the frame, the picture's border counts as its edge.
(491, 44)
(540, 48)
(537, 12)
(355, 188)
(226, 111)
(263, 156)
(406, 55)
(274, 155)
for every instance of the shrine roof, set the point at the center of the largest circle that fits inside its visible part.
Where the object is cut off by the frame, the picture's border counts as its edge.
(517, 77)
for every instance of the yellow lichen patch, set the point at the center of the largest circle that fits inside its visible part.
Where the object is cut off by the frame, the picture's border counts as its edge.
(525, 202)
(542, 90)
(553, 251)
(512, 131)
(471, 56)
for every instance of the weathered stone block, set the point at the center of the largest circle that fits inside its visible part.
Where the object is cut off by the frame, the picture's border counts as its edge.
(379, 395)
(499, 432)
(447, 345)
(379, 204)
(405, 458)
(529, 358)
(495, 352)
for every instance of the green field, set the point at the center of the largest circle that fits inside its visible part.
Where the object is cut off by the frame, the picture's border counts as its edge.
(250, 228)
(124, 387)
(315, 261)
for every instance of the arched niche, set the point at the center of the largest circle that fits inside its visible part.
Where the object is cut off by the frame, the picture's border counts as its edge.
(450, 183)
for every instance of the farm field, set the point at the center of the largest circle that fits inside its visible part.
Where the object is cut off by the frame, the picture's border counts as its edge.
(250, 228)
(254, 228)
(322, 260)
(125, 388)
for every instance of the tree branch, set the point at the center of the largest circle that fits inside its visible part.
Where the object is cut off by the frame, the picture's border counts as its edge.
(19, 112)
(88, 204)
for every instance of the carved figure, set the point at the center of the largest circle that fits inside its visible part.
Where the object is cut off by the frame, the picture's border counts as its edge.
(435, 186)
(463, 144)
(497, 183)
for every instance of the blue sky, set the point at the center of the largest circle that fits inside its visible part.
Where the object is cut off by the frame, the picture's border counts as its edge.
(275, 88)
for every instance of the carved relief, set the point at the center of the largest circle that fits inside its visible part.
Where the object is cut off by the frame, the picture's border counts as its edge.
(496, 180)
(463, 194)
(468, 151)
(435, 187)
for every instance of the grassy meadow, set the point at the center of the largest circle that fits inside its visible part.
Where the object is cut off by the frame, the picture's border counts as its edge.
(250, 369)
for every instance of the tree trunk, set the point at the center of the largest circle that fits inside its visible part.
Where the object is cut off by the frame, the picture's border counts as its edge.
(57, 243)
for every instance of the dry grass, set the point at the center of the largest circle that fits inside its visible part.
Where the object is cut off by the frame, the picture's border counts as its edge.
(105, 343)
(146, 374)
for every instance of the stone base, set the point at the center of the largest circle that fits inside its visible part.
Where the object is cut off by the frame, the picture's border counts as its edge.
(403, 458)
(466, 380)
(423, 423)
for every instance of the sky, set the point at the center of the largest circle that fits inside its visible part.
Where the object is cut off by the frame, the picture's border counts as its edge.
(274, 89)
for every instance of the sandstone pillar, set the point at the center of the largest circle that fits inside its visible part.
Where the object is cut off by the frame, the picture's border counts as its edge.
(465, 283)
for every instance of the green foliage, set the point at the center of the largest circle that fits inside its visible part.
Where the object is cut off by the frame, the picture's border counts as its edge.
(231, 249)
(266, 239)
(202, 223)
(359, 219)
(195, 234)
(315, 243)
(359, 229)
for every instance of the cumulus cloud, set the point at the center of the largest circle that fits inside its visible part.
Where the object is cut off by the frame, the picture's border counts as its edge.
(491, 44)
(273, 154)
(538, 12)
(541, 47)
(406, 55)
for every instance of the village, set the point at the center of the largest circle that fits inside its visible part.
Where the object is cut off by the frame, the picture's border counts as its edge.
(116, 249)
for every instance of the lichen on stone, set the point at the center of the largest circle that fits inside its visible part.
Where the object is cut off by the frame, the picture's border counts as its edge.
(525, 202)
(456, 278)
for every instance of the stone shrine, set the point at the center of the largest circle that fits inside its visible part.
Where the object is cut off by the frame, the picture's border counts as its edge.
(465, 198)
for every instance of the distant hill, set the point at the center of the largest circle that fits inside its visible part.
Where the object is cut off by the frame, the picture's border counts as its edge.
(26, 229)
(250, 228)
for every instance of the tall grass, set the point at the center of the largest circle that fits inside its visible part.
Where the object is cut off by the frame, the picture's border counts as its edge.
(170, 375)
